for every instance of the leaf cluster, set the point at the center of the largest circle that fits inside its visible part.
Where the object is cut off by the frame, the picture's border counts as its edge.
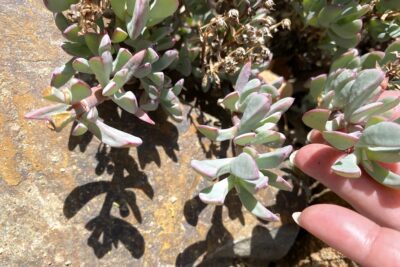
(255, 119)
(353, 117)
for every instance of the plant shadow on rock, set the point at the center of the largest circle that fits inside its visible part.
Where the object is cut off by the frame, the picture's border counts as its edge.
(108, 230)
(111, 229)
(217, 235)
(261, 247)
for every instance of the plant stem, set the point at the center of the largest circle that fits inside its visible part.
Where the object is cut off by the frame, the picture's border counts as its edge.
(90, 102)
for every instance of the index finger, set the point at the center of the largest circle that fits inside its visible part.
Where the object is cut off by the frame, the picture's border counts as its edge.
(377, 202)
(354, 235)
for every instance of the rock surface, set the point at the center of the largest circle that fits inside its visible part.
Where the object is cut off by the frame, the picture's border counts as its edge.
(74, 202)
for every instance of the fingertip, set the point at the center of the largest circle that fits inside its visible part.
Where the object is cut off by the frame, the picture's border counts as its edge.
(312, 216)
(338, 227)
(345, 230)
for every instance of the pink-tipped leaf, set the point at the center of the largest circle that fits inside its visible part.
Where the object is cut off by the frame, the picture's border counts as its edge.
(212, 169)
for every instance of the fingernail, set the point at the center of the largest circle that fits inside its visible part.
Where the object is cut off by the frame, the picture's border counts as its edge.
(309, 136)
(292, 157)
(296, 217)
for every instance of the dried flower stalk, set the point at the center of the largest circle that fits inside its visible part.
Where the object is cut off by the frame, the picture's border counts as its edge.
(232, 39)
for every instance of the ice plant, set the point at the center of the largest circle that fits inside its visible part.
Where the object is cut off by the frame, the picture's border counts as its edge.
(78, 101)
(83, 22)
(385, 22)
(255, 117)
(102, 68)
(340, 22)
(354, 118)
(134, 52)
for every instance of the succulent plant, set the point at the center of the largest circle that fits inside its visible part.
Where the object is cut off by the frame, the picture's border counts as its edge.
(386, 60)
(340, 21)
(385, 22)
(255, 118)
(252, 101)
(84, 22)
(79, 101)
(99, 35)
(353, 118)
(125, 51)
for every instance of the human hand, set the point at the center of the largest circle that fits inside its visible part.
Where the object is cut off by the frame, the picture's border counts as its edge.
(370, 237)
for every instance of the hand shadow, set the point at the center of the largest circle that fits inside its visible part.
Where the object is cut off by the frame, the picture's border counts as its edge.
(108, 230)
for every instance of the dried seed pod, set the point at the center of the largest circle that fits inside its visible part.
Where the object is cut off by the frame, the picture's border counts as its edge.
(269, 4)
(233, 15)
(286, 24)
(268, 21)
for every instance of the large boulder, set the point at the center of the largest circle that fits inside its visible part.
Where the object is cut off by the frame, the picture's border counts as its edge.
(73, 201)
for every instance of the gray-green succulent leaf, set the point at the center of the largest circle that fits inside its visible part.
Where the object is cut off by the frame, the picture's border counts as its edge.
(247, 174)
(353, 117)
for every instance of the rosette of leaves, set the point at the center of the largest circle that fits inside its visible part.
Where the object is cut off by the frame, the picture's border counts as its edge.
(79, 101)
(385, 23)
(139, 18)
(353, 118)
(255, 118)
(340, 21)
(387, 60)
(83, 22)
